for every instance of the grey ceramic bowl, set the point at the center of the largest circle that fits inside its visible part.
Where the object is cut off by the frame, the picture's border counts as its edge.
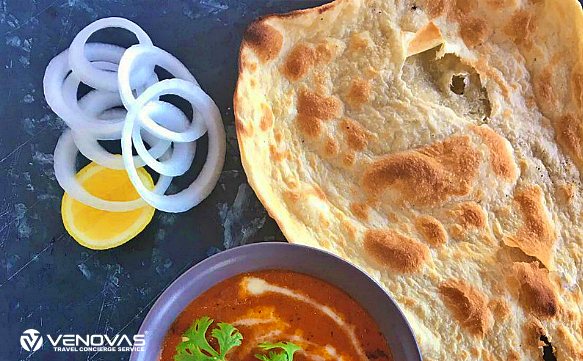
(277, 255)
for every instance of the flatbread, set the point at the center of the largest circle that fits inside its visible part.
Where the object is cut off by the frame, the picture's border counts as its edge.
(439, 147)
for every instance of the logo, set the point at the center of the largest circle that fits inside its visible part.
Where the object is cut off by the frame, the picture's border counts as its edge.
(31, 340)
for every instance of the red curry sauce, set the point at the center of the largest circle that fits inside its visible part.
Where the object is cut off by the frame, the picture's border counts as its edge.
(287, 308)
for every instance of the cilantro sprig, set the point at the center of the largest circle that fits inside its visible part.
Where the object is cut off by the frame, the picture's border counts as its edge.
(195, 346)
(287, 353)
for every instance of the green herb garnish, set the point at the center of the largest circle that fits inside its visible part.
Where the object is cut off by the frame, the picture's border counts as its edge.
(195, 347)
(287, 354)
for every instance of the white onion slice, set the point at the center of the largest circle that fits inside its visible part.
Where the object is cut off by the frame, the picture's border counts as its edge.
(182, 153)
(93, 103)
(103, 105)
(65, 105)
(99, 78)
(65, 157)
(96, 102)
(140, 55)
(202, 186)
(168, 115)
(87, 120)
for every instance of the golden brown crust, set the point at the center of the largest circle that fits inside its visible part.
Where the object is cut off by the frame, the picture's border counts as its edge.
(436, 8)
(520, 27)
(566, 193)
(513, 356)
(360, 210)
(359, 93)
(570, 136)
(242, 130)
(533, 330)
(536, 237)
(426, 38)
(469, 215)
(348, 159)
(299, 62)
(309, 126)
(277, 155)
(359, 42)
(331, 147)
(499, 308)
(317, 105)
(432, 230)
(314, 108)
(474, 31)
(324, 52)
(266, 121)
(356, 136)
(536, 292)
(577, 86)
(395, 251)
(467, 304)
(543, 88)
(427, 176)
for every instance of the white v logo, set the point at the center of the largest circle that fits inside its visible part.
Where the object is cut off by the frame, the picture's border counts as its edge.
(31, 340)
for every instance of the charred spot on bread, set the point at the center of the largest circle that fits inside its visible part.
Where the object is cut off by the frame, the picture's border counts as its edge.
(264, 40)
(536, 294)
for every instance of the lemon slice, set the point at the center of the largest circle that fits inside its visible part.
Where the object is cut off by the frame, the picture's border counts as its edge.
(97, 229)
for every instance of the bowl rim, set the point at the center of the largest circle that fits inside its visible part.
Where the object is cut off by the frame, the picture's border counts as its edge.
(167, 296)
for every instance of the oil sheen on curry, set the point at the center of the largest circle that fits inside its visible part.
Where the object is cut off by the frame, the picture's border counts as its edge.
(270, 307)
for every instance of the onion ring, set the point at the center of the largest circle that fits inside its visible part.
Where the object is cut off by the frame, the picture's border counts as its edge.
(203, 185)
(65, 156)
(100, 99)
(87, 121)
(80, 62)
(96, 102)
(66, 107)
(139, 54)
(182, 153)
(172, 116)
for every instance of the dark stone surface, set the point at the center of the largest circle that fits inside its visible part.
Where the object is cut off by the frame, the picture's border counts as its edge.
(47, 281)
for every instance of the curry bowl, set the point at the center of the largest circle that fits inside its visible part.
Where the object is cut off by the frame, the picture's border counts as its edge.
(278, 256)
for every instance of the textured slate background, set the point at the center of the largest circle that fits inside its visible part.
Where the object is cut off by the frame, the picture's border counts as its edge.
(49, 282)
